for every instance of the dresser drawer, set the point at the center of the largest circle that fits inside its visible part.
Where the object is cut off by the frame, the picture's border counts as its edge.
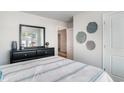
(40, 52)
(23, 55)
(45, 52)
(50, 51)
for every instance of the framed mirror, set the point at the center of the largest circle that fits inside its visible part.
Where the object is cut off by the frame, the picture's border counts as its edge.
(31, 36)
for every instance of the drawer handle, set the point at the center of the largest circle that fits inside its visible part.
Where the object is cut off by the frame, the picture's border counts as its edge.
(46, 52)
(25, 54)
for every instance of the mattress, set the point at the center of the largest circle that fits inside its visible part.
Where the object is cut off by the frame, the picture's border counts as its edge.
(52, 69)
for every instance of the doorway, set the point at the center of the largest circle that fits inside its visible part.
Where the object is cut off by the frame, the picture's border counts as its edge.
(62, 43)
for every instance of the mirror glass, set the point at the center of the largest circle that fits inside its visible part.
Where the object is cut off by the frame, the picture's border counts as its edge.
(32, 36)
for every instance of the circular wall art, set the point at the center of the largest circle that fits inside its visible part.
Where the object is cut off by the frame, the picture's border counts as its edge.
(81, 37)
(90, 45)
(92, 27)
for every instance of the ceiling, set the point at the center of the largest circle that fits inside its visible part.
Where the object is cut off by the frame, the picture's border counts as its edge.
(66, 16)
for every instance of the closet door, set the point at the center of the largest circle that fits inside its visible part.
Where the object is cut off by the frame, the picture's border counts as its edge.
(113, 45)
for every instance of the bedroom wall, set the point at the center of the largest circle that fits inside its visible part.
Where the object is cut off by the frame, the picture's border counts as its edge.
(9, 30)
(93, 57)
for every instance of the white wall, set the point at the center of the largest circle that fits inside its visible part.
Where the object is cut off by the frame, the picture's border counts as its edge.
(9, 30)
(81, 53)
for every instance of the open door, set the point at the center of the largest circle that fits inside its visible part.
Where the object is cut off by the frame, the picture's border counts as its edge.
(113, 45)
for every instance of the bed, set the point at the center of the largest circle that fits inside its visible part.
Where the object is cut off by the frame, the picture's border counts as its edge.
(52, 69)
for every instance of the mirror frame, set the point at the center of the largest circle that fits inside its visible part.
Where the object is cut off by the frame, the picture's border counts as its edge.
(20, 32)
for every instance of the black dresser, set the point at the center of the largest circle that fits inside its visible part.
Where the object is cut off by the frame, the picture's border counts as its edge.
(30, 54)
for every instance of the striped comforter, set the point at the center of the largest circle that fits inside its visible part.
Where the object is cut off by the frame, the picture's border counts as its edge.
(53, 69)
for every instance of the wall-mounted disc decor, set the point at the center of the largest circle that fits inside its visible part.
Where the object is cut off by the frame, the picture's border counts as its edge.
(90, 45)
(92, 27)
(81, 37)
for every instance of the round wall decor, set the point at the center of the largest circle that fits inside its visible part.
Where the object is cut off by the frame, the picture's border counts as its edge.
(81, 37)
(90, 45)
(92, 27)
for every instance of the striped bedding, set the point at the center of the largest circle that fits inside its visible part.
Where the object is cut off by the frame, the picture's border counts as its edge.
(53, 69)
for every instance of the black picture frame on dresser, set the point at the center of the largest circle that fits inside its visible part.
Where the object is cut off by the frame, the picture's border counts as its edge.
(30, 54)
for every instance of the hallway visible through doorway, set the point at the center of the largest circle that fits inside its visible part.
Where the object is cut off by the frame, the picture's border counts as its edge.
(62, 43)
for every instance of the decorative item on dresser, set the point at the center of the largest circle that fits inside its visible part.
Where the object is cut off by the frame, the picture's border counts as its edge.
(14, 45)
(46, 44)
(29, 54)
